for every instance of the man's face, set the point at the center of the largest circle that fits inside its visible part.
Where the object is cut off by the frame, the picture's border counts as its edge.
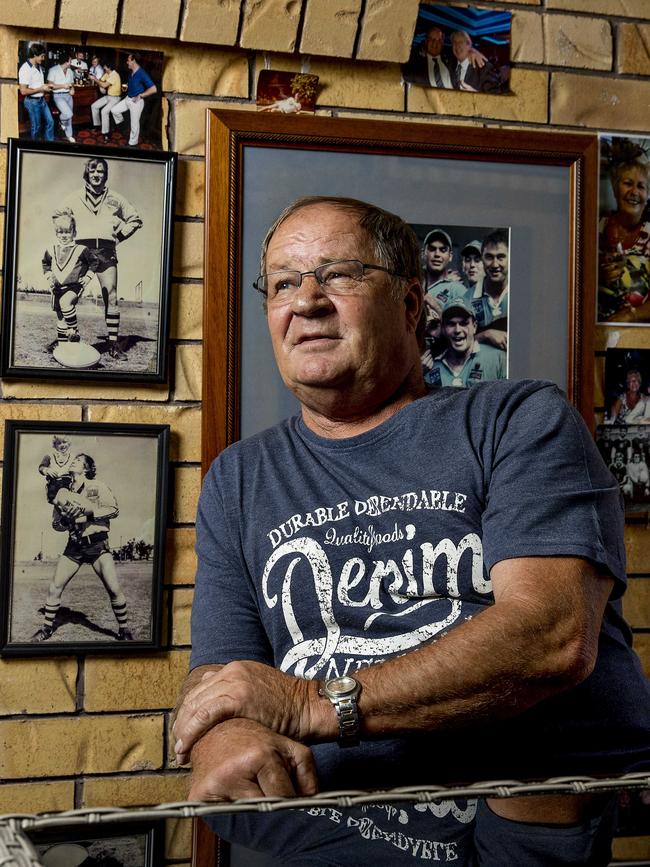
(96, 175)
(461, 47)
(78, 465)
(473, 267)
(495, 262)
(437, 256)
(434, 42)
(40, 58)
(130, 62)
(459, 331)
(359, 344)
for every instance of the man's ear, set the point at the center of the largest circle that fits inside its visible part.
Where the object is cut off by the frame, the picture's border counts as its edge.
(413, 302)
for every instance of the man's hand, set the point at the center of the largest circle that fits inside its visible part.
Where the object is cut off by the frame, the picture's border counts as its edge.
(477, 59)
(244, 689)
(243, 759)
(494, 337)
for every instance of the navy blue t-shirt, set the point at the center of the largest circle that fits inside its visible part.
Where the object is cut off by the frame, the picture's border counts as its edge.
(321, 556)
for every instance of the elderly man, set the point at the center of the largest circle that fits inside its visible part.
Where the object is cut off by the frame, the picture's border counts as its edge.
(465, 75)
(402, 586)
(465, 362)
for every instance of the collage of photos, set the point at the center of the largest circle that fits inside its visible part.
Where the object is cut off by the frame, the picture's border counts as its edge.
(461, 48)
(624, 231)
(82, 529)
(90, 95)
(466, 288)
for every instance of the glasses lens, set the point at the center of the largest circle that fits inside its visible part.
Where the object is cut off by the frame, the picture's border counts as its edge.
(339, 276)
(279, 285)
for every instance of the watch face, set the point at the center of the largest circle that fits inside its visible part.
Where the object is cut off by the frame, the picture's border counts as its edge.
(341, 685)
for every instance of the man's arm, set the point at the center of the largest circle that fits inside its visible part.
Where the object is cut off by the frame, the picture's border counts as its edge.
(539, 638)
(145, 93)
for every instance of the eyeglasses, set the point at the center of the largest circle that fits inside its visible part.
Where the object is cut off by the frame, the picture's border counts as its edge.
(343, 277)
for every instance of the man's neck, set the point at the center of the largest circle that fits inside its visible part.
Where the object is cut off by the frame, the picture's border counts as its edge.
(494, 290)
(334, 415)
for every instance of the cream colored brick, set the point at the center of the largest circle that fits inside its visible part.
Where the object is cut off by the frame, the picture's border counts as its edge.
(181, 557)
(624, 8)
(387, 30)
(214, 21)
(8, 111)
(599, 102)
(187, 312)
(190, 120)
(31, 13)
(188, 373)
(354, 84)
(138, 682)
(140, 19)
(181, 611)
(41, 797)
(270, 25)
(636, 603)
(188, 250)
(38, 686)
(330, 27)
(95, 17)
(527, 37)
(208, 71)
(74, 745)
(190, 188)
(185, 423)
(642, 647)
(631, 849)
(637, 541)
(9, 38)
(528, 102)
(634, 49)
(178, 838)
(572, 40)
(74, 391)
(186, 494)
(2, 228)
(134, 791)
(36, 412)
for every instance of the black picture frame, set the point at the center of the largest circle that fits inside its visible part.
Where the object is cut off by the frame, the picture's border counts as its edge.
(39, 523)
(138, 844)
(44, 178)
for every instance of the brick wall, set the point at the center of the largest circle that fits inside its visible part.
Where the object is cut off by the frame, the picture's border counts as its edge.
(77, 732)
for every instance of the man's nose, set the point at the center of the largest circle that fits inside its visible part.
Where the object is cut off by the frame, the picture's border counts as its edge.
(310, 297)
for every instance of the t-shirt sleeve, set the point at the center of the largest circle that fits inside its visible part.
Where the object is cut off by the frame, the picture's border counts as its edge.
(226, 623)
(549, 492)
(23, 75)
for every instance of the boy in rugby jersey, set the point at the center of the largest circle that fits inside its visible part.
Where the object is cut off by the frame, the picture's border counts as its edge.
(68, 268)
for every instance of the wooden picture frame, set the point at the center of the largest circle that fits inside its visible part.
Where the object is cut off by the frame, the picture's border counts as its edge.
(118, 542)
(540, 184)
(94, 305)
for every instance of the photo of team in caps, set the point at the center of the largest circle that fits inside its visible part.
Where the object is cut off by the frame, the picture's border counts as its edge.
(466, 289)
(89, 267)
(83, 549)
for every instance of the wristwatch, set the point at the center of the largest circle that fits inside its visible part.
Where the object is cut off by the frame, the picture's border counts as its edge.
(343, 693)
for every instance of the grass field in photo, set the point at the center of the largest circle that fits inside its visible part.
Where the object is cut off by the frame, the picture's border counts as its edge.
(85, 614)
(35, 330)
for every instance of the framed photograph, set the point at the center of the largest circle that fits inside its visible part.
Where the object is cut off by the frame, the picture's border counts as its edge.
(429, 175)
(472, 263)
(627, 386)
(460, 48)
(84, 516)
(123, 844)
(88, 262)
(90, 94)
(626, 451)
(624, 230)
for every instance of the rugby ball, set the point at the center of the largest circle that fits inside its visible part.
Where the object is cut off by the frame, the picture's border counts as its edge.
(65, 855)
(77, 355)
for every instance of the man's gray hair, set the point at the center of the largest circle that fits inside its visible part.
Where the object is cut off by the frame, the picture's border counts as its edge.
(395, 243)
